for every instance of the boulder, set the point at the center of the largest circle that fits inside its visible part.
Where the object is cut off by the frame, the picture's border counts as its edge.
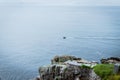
(61, 59)
(111, 60)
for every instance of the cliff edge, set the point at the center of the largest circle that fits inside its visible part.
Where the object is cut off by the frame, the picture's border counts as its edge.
(68, 68)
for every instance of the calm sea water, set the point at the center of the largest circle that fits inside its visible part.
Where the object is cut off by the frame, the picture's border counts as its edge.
(31, 35)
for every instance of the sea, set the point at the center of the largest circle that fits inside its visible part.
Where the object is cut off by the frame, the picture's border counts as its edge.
(31, 35)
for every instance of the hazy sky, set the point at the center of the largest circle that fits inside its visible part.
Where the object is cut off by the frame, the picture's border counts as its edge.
(66, 2)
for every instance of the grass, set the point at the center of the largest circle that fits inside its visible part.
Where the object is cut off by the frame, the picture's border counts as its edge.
(114, 77)
(104, 70)
(84, 66)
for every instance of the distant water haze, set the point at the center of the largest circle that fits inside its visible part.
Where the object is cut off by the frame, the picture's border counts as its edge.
(31, 35)
(63, 2)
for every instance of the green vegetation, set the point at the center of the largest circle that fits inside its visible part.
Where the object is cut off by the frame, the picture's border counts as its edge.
(65, 69)
(119, 70)
(104, 71)
(58, 78)
(84, 66)
(114, 77)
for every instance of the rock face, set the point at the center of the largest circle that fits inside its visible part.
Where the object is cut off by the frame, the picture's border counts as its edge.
(61, 59)
(111, 60)
(55, 72)
(58, 70)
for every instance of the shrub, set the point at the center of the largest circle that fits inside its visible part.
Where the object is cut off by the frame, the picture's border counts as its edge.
(104, 70)
(114, 77)
(84, 66)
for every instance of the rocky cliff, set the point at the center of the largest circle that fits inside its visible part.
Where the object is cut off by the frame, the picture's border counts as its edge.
(68, 68)
(111, 60)
(73, 68)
